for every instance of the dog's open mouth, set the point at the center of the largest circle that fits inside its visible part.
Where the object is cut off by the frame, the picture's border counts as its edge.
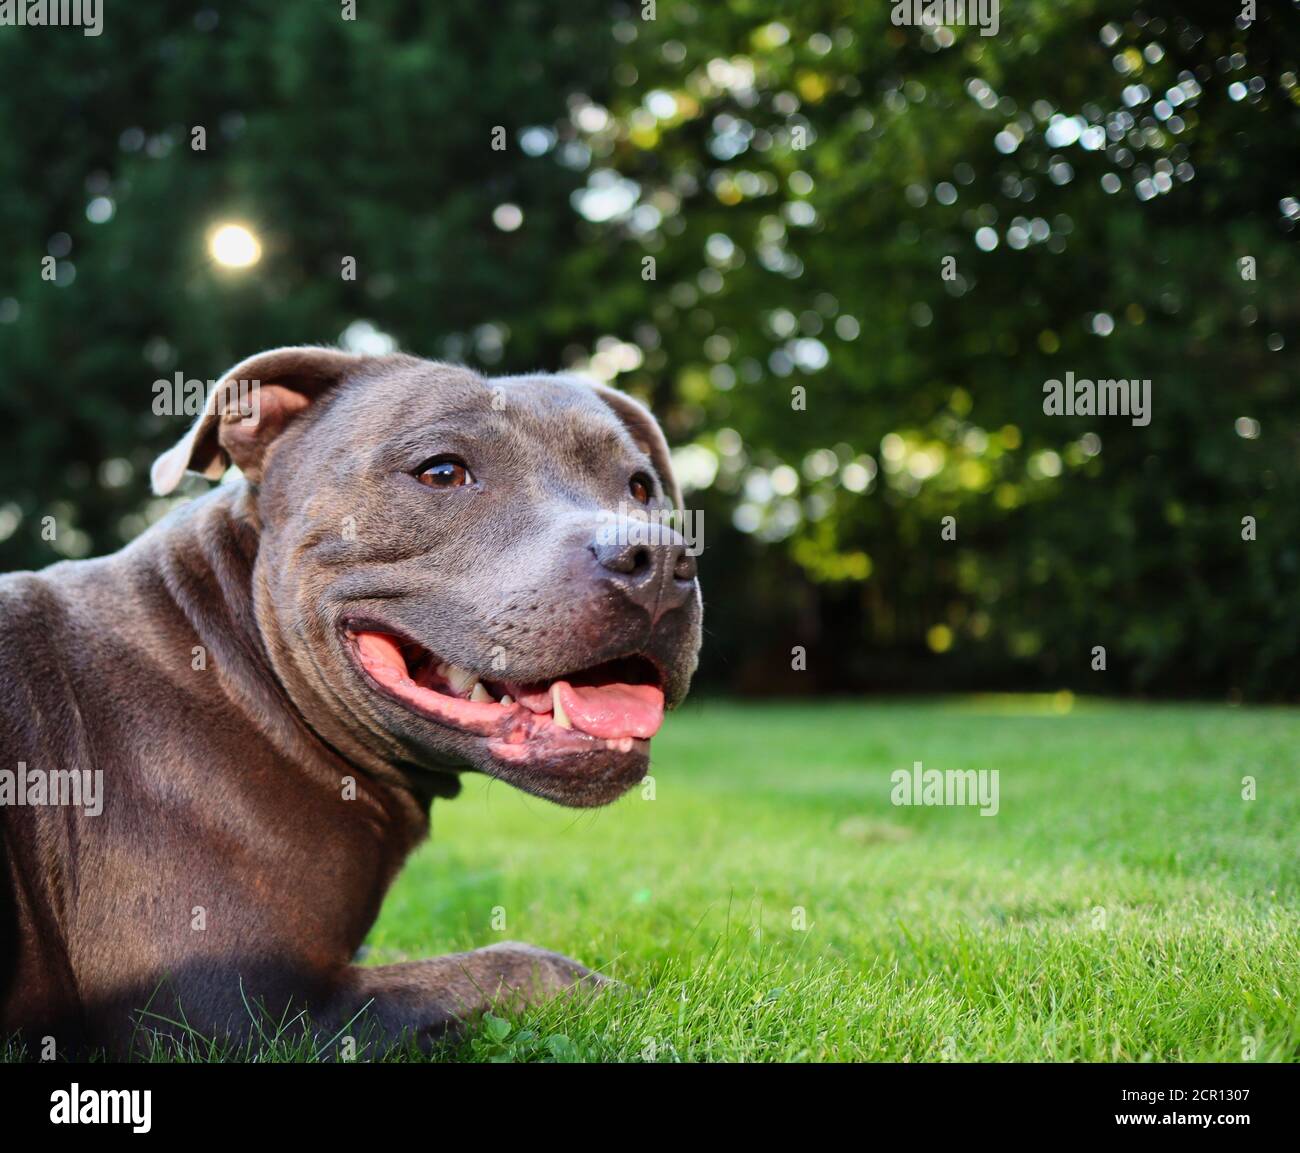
(617, 704)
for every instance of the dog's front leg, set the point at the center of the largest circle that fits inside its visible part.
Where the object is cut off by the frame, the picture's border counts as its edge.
(425, 1001)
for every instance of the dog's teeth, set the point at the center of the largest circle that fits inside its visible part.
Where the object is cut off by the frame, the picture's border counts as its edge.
(557, 709)
(460, 680)
(479, 693)
(507, 700)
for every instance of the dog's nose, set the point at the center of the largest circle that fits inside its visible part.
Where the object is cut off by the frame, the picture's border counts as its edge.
(651, 573)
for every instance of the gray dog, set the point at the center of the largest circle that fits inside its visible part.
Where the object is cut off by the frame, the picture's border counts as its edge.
(422, 571)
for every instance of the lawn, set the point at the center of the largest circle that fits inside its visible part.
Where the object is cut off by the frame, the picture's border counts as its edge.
(765, 901)
(768, 902)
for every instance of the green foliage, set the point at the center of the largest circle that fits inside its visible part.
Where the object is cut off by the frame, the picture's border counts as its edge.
(1071, 531)
(329, 139)
(799, 174)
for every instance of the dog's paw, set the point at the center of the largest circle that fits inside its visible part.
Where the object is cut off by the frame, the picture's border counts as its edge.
(539, 973)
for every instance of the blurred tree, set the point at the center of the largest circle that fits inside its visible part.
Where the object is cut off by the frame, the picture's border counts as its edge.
(327, 139)
(918, 227)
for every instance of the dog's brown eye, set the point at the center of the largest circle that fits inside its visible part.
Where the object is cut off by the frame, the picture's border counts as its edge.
(639, 487)
(446, 473)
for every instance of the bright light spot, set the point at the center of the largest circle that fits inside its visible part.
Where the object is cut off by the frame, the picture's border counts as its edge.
(1045, 464)
(758, 486)
(800, 213)
(784, 480)
(606, 196)
(925, 463)
(536, 141)
(729, 442)
(1103, 324)
(234, 246)
(507, 217)
(116, 472)
(986, 240)
(939, 638)
(773, 35)
(613, 356)
(100, 210)
(10, 518)
(1247, 427)
(893, 448)
(720, 248)
(363, 337)
(695, 466)
(747, 517)
(1064, 130)
(810, 354)
(782, 322)
(855, 477)
(820, 463)
(661, 105)
(591, 118)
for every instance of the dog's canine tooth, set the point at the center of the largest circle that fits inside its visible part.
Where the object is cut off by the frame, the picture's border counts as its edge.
(479, 693)
(507, 700)
(558, 714)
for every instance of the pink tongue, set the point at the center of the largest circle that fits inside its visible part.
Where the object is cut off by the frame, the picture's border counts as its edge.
(613, 711)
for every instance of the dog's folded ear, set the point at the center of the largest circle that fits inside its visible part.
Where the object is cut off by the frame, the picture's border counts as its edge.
(247, 410)
(645, 430)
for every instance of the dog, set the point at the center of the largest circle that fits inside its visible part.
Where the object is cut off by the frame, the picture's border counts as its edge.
(413, 574)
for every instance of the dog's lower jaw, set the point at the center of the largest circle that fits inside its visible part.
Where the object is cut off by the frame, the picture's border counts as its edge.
(576, 784)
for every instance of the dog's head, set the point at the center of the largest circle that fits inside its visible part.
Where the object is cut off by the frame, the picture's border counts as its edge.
(457, 571)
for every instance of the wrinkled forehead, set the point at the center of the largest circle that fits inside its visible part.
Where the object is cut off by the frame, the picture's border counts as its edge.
(559, 413)
(421, 406)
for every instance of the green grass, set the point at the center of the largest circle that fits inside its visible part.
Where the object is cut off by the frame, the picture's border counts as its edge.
(1126, 903)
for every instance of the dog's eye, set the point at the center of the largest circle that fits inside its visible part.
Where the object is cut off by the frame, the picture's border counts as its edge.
(640, 488)
(446, 472)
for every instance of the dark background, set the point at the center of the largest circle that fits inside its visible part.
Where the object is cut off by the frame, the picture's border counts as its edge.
(799, 173)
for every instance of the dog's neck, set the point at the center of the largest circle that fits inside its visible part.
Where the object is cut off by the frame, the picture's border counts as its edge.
(206, 557)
